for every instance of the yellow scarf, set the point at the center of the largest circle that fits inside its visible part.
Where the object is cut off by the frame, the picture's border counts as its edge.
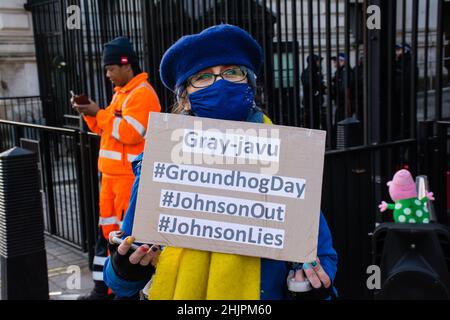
(187, 274)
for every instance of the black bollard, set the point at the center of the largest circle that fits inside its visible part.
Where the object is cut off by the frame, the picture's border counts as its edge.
(22, 245)
(349, 133)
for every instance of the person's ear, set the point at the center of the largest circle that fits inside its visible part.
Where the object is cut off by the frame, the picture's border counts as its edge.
(184, 101)
(187, 105)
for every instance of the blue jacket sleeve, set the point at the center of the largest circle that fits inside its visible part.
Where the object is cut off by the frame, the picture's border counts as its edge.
(119, 286)
(274, 272)
(127, 223)
(325, 251)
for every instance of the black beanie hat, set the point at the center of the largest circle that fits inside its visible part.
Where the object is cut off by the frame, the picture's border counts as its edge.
(119, 51)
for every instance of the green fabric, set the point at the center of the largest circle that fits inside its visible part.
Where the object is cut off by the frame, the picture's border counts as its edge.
(410, 210)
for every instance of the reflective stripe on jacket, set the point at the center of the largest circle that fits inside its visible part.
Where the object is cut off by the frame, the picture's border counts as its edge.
(123, 125)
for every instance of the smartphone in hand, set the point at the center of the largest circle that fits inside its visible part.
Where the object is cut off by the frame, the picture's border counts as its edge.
(80, 99)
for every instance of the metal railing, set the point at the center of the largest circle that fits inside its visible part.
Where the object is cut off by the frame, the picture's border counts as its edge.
(22, 109)
(67, 160)
(289, 32)
(351, 193)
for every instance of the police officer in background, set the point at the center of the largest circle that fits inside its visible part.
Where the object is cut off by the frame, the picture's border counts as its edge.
(340, 88)
(312, 79)
(402, 107)
(122, 127)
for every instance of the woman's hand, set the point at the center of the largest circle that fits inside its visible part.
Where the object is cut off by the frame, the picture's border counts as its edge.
(144, 255)
(314, 273)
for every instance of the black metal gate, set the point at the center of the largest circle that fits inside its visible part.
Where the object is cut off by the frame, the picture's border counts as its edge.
(68, 171)
(392, 81)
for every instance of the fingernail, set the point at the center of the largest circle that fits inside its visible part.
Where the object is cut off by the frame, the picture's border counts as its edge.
(306, 266)
(314, 264)
(130, 240)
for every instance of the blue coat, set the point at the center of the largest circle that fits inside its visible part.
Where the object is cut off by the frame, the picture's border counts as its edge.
(273, 272)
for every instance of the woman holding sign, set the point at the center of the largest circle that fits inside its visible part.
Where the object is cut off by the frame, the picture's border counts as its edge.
(213, 76)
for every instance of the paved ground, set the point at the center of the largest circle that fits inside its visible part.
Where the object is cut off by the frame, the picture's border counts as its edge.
(61, 259)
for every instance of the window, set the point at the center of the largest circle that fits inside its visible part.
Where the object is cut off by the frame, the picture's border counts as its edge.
(287, 70)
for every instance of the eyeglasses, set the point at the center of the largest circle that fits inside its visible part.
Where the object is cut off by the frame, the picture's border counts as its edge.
(204, 80)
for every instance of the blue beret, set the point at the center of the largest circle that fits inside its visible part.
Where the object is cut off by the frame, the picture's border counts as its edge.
(223, 44)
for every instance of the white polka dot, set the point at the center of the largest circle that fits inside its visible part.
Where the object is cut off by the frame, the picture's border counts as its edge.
(412, 220)
(425, 209)
(417, 202)
(407, 211)
(419, 213)
(426, 220)
(398, 206)
(401, 218)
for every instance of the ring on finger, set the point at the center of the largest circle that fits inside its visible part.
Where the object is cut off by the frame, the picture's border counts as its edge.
(154, 248)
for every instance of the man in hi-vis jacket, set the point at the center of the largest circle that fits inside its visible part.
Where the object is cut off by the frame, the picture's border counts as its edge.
(122, 127)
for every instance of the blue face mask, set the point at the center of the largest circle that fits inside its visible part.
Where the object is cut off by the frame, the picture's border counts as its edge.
(223, 100)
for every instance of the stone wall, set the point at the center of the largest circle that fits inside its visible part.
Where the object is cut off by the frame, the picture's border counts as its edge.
(18, 70)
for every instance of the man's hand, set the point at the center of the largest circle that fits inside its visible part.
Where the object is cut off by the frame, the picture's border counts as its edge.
(315, 274)
(86, 109)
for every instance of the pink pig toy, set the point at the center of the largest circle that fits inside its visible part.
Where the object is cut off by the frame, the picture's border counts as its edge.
(407, 207)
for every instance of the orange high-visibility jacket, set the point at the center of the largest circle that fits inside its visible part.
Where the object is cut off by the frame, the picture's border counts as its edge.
(123, 125)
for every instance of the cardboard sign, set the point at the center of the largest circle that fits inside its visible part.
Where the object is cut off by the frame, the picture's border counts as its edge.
(231, 187)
